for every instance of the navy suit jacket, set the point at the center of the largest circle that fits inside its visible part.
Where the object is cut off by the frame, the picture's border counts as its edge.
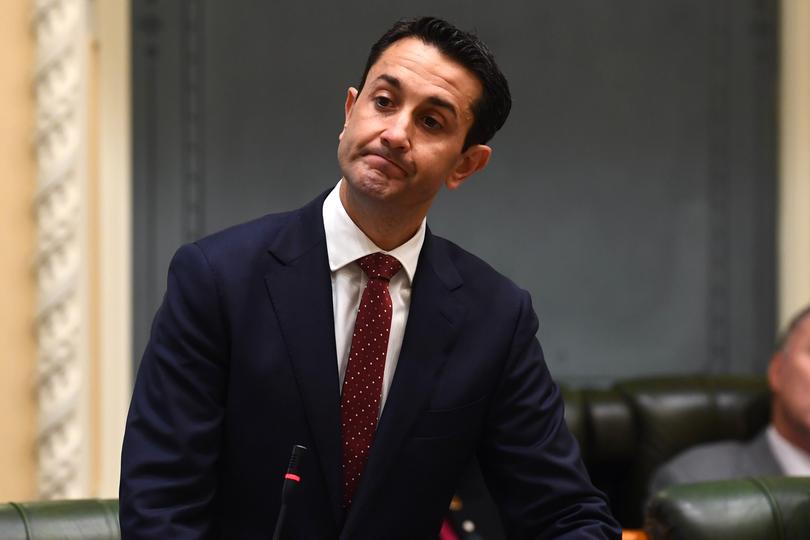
(241, 365)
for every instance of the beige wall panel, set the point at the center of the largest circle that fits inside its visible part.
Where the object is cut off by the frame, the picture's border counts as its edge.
(113, 181)
(794, 160)
(17, 241)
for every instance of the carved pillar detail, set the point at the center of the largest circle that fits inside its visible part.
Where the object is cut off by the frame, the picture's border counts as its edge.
(60, 83)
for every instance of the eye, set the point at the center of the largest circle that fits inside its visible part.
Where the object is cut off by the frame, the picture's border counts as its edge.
(383, 102)
(431, 123)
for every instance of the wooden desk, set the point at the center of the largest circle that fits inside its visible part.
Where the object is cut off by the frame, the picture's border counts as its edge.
(634, 534)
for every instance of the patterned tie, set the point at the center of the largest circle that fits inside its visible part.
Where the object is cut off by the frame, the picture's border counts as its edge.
(362, 385)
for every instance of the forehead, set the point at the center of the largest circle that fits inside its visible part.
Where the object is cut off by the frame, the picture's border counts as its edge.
(803, 328)
(799, 337)
(425, 69)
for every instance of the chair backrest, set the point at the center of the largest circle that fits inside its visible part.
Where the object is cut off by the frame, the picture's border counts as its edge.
(745, 509)
(88, 519)
(629, 429)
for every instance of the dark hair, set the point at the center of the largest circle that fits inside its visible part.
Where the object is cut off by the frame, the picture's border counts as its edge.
(791, 327)
(492, 108)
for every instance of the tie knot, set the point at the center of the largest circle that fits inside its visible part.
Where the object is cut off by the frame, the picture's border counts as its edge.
(379, 265)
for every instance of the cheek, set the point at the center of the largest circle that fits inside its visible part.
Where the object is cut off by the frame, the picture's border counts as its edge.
(360, 132)
(802, 371)
(341, 149)
(348, 140)
(441, 160)
(797, 383)
(803, 382)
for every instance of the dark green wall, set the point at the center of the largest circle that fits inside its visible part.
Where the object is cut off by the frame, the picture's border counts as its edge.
(632, 191)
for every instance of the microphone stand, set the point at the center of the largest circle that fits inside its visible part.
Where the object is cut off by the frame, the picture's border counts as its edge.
(292, 479)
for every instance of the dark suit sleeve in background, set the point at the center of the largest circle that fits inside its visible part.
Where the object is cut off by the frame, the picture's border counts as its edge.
(173, 433)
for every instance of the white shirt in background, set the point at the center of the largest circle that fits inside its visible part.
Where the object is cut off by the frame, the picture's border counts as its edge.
(792, 460)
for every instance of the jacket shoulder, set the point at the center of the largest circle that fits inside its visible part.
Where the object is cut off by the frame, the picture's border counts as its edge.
(477, 273)
(249, 237)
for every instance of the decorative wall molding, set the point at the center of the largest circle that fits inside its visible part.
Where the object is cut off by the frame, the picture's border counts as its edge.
(719, 201)
(192, 88)
(60, 28)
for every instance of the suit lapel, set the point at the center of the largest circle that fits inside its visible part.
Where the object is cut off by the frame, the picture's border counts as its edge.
(433, 322)
(300, 290)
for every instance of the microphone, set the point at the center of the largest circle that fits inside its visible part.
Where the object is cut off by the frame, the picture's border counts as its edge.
(291, 481)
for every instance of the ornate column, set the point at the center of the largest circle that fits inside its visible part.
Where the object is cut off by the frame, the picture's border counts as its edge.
(60, 84)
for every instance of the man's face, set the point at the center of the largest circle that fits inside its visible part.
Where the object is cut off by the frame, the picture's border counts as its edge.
(405, 130)
(789, 377)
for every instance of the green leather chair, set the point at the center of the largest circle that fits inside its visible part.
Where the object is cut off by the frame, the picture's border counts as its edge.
(627, 430)
(755, 509)
(88, 519)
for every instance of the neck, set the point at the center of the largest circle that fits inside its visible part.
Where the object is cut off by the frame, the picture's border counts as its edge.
(793, 432)
(384, 226)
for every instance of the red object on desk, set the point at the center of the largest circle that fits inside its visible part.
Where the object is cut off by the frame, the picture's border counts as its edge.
(447, 532)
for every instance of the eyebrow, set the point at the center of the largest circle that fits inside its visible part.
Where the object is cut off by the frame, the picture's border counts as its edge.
(434, 100)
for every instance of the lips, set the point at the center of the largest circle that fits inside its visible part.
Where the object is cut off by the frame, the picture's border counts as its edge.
(385, 164)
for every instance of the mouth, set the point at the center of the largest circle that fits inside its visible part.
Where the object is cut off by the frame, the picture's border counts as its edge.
(382, 161)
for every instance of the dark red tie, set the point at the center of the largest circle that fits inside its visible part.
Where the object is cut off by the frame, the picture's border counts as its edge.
(362, 385)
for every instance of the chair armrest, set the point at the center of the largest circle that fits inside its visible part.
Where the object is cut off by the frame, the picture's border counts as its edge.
(89, 519)
(752, 508)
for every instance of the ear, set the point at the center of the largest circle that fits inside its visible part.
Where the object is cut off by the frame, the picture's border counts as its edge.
(351, 99)
(775, 371)
(472, 160)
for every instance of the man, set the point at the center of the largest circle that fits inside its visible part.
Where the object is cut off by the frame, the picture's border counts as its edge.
(348, 328)
(783, 448)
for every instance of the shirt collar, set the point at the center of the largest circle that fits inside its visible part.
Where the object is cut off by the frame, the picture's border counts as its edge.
(345, 242)
(792, 460)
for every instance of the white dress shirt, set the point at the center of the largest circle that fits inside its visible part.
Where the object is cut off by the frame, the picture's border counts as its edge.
(345, 243)
(792, 460)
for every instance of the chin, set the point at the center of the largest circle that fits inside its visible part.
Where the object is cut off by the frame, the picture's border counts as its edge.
(373, 184)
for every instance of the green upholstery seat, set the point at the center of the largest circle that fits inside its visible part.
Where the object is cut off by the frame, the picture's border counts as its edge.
(89, 519)
(671, 414)
(755, 509)
(627, 430)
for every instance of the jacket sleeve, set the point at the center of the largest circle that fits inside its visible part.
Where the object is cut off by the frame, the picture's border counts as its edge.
(530, 461)
(173, 432)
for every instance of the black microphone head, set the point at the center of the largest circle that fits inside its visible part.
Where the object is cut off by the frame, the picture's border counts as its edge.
(295, 458)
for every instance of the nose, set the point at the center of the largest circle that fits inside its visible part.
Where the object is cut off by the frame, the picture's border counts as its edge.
(396, 135)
